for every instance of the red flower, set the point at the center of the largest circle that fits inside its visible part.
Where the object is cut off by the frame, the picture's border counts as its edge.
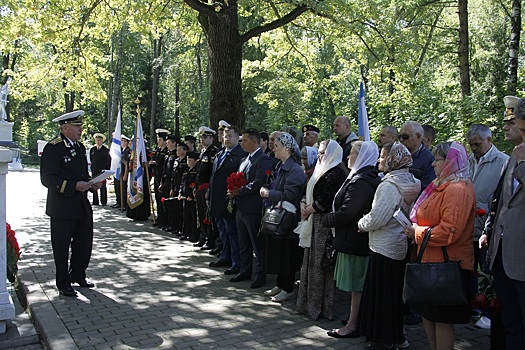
(162, 199)
(480, 301)
(206, 221)
(495, 304)
(480, 212)
(235, 181)
(203, 187)
(193, 184)
(268, 172)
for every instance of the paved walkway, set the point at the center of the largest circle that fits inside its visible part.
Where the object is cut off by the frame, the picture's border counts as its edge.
(154, 291)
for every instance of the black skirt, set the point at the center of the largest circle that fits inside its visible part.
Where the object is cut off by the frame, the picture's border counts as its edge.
(283, 255)
(381, 309)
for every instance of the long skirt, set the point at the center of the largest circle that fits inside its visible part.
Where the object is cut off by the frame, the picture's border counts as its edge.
(316, 295)
(381, 309)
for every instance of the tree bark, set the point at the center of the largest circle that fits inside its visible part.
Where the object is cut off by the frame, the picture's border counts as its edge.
(514, 45)
(463, 49)
(219, 20)
(225, 63)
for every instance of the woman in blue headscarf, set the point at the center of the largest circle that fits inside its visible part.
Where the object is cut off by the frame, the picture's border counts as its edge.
(283, 255)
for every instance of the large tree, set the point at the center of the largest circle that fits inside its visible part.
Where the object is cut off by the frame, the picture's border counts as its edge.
(220, 23)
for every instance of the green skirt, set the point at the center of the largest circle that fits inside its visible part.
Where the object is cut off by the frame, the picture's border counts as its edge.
(350, 272)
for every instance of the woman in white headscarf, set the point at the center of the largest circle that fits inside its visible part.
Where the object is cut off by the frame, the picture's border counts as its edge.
(317, 288)
(352, 201)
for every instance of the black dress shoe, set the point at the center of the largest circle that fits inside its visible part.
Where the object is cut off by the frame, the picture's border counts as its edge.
(220, 263)
(214, 251)
(333, 333)
(184, 238)
(198, 244)
(206, 247)
(239, 277)
(67, 291)
(258, 283)
(115, 206)
(232, 271)
(84, 283)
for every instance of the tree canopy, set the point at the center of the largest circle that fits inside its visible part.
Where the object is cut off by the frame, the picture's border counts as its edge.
(259, 64)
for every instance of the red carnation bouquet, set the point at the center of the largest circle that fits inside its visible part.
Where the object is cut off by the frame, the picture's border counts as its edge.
(12, 252)
(234, 182)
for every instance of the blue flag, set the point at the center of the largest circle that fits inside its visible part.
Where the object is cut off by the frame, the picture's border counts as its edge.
(362, 115)
(115, 150)
(136, 171)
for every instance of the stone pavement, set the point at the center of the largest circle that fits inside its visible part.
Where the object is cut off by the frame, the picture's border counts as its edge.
(154, 291)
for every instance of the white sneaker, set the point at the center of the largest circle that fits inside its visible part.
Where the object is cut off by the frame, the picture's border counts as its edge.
(483, 323)
(282, 296)
(274, 291)
(404, 345)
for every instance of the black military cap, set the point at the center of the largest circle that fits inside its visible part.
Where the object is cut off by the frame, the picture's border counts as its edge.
(310, 128)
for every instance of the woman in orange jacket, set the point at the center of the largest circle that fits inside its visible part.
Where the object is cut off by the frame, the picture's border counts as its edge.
(448, 206)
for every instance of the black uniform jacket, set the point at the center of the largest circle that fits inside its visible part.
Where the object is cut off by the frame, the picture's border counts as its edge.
(61, 167)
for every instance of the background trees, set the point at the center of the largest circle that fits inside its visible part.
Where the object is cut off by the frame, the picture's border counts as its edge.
(265, 65)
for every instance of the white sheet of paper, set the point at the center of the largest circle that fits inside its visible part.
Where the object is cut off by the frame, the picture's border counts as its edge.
(101, 177)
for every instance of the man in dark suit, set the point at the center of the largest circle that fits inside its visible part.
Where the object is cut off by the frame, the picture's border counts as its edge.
(507, 239)
(226, 163)
(64, 171)
(100, 160)
(249, 208)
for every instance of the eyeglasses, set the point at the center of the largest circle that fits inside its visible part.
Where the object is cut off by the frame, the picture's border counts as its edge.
(405, 136)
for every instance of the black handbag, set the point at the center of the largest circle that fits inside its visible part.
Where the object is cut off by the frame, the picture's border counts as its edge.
(330, 254)
(434, 283)
(277, 221)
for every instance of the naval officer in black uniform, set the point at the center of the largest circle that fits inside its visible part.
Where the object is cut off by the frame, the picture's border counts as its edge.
(64, 171)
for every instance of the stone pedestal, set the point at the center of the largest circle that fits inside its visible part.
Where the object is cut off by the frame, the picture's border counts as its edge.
(6, 131)
(7, 308)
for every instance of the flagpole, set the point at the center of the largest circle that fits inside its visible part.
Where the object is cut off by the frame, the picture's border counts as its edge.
(146, 167)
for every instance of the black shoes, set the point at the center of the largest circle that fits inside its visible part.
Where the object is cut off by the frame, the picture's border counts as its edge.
(115, 206)
(67, 291)
(232, 271)
(84, 283)
(206, 247)
(199, 244)
(220, 263)
(239, 278)
(333, 333)
(258, 283)
(214, 251)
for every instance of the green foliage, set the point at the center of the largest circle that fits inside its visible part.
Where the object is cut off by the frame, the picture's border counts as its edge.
(306, 72)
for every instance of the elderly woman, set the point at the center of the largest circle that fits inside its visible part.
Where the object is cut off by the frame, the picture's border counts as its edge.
(308, 160)
(317, 288)
(283, 253)
(381, 317)
(351, 202)
(448, 206)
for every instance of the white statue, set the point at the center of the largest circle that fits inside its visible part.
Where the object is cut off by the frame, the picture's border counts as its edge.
(4, 91)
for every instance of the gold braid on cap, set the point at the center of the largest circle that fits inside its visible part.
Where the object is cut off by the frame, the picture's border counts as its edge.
(509, 112)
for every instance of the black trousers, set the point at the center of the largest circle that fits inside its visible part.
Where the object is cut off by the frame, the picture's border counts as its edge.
(103, 195)
(79, 235)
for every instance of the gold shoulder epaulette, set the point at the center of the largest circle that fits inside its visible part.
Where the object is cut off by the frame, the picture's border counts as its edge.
(56, 141)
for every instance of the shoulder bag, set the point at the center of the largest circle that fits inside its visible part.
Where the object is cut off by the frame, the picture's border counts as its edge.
(433, 283)
(277, 221)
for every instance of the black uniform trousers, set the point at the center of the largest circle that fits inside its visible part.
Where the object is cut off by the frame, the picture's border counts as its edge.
(103, 195)
(79, 234)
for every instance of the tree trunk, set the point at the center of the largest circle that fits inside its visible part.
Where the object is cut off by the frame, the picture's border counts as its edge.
(109, 119)
(177, 110)
(157, 64)
(514, 45)
(463, 49)
(225, 60)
